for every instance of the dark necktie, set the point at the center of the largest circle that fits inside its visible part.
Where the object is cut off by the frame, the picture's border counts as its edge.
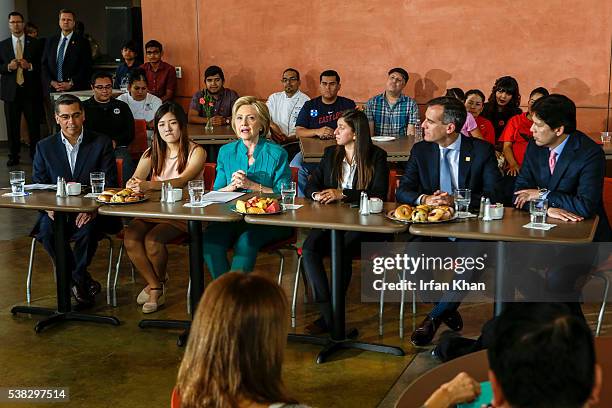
(60, 60)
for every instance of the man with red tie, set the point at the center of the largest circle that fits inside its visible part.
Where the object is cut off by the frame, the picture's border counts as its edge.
(563, 165)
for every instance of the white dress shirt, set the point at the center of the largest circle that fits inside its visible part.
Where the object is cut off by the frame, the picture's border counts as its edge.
(284, 110)
(348, 174)
(59, 44)
(72, 151)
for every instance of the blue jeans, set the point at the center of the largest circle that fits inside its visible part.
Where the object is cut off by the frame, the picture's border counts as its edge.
(304, 170)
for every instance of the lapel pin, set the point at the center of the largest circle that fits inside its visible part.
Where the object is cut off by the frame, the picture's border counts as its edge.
(467, 158)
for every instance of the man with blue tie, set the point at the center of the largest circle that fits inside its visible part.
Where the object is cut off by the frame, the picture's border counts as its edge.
(564, 166)
(66, 62)
(444, 161)
(73, 153)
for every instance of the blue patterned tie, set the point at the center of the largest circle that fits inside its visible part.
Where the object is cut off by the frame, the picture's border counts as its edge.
(446, 178)
(60, 60)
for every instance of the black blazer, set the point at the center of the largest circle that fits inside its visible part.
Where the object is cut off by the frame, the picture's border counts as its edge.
(321, 177)
(77, 62)
(477, 171)
(576, 185)
(95, 154)
(32, 52)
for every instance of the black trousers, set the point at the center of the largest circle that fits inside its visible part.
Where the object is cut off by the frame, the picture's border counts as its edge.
(317, 246)
(31, 109)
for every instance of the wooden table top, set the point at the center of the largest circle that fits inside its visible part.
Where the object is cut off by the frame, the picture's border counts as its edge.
(152, 208)
(219, 135)
(336, 216)
(397, 150)
(510, 228)
(46, 200)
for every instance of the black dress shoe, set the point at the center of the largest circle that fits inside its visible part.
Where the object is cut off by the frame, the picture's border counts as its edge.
(12, 162)
(317, 327)
(453, 320)
(81, 295)
(93, 287)
(426, 331)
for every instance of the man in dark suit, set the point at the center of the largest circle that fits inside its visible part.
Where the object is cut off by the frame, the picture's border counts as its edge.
(66, 62)
(564, 166)
(20, 85)
(73, 153)
(444, 161)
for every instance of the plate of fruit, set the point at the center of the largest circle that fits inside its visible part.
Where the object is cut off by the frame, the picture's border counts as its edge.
(258, 206)
(422, 214)
(116, 196)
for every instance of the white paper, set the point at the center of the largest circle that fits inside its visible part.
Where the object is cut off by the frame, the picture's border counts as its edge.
(91, 195)
(292, 206)
(16, 194)
(543, 227)
(39, 186)
(221, 196)
(202, 205)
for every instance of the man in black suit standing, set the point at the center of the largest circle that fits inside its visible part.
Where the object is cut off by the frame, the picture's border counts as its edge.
(447, 160)
(73, 153)
(20, 85)
(66, 62)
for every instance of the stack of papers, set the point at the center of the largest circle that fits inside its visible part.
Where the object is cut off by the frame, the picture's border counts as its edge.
(39, 186)
(220, 196)
(543, 227)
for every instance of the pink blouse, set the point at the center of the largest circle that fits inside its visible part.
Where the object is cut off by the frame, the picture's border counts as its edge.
(170, 168)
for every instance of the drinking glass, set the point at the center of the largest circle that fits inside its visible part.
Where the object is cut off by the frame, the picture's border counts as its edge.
(96, 179)
(462, 198)
(606, 137)
(288, 193)
(537, 210)
(196, 191)
(17, 182)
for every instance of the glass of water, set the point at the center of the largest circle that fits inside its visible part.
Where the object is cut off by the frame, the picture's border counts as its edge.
(288, 193)
(196, 191)
(17, 182)
(96, 179)
(537, 210)
(462, 197)
(606, 137)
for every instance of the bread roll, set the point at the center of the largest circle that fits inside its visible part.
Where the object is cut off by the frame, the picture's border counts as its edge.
(403, 212)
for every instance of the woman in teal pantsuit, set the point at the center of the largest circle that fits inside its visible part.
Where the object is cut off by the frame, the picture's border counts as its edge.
(251, 163)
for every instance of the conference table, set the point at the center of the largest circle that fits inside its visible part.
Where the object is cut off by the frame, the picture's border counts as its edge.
(398, 150)
(219, 136)
(336, 217)
(509, 229)
(477, 366)
(153, 208)
(63, 206)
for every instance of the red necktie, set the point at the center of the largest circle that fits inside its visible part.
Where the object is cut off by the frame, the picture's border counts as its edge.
(552, 161)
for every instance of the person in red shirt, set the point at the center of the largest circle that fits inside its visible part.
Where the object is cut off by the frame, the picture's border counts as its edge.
(517, 134)
(161, 76)
(474, 103)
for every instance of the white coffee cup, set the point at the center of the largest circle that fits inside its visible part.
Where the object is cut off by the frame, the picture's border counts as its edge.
(73, 189)
(376, 205)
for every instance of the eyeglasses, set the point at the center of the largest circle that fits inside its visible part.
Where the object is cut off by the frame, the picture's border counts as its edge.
(286, 80)
(66, 116)
(103, 87)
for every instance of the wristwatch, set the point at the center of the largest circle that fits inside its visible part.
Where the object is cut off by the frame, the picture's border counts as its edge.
(542, 192)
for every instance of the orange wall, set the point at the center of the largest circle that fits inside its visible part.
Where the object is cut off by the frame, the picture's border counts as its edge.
(562, 46)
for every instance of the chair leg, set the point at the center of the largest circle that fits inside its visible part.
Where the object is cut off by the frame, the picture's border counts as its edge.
(602, 309)
(30, 268)
(117, 266)
(381, 305)
(109, 271)
(189, 297)
(296, 283)
(402, 305)
(282, 264)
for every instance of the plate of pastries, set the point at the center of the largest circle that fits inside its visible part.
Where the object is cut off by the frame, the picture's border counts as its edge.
(120, 196)
(422, 214)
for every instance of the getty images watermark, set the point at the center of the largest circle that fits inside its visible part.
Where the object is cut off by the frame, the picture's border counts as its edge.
(482, 271)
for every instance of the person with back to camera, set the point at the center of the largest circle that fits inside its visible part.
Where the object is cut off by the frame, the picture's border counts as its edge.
(235, 353)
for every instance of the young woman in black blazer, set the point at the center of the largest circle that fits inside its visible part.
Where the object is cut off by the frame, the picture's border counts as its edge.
(354, 165)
